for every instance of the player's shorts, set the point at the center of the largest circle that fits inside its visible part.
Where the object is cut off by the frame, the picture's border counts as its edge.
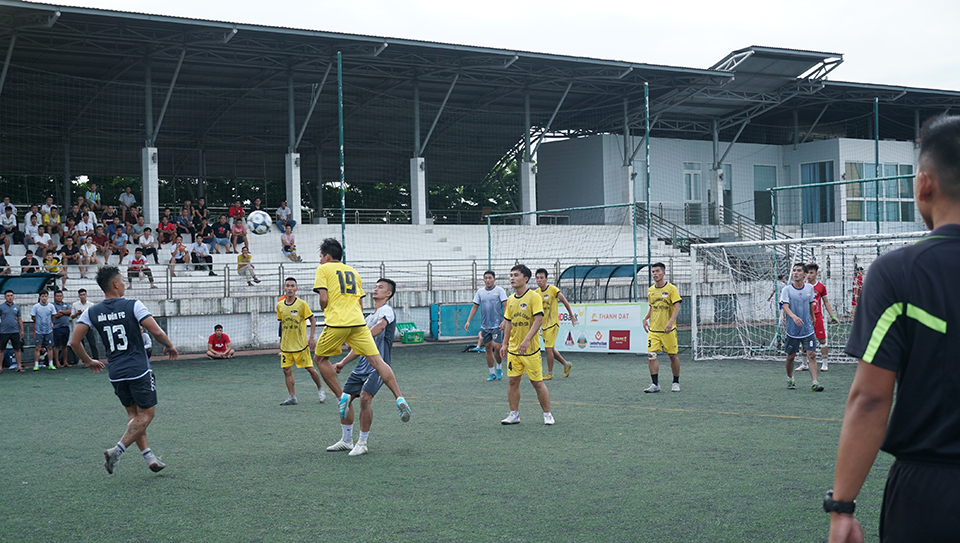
(819, 330)
(301, 358)
(61, 335)
(14, 340)
(531, 364)
(550, 336)
(920, 502)
(357, 382)
(357, 337)
(43, 340)
(491, 334)
(797, 344)
(141, 391)
(662, 342)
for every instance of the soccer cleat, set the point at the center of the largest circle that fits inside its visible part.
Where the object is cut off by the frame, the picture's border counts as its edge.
(816, 387)
(340, 446)
(652, 388)
(675, 387)
(404, 409)
(361, 448)
(547, 376)
(823, 367)
(492, 377)
(802, 367)
(292, 400)
(548, 419)
(156, 465)
(791, 384)
(110, 459)
(51, 366)
(567, 368)
(343, 404)
(499, 374)
(320, 393)
(36, 367)
(512, 418)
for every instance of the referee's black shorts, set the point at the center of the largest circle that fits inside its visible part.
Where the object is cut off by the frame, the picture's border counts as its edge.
(921, 503)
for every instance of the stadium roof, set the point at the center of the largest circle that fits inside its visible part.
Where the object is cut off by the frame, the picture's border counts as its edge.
(74, 88)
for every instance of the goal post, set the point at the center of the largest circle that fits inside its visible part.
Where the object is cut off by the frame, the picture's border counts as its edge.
(736, 287)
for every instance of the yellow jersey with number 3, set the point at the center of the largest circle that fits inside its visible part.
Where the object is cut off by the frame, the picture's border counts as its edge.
(520, 312)
(344, 291)
(661, 302)
(293, 322)
(550, 315)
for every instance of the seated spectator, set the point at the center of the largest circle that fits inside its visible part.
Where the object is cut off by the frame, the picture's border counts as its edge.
(31, 232)
(47, 205)
(188, 205)
(29, 264)
(200, 211)
(5, 268)
(200, 257)
(85, 228)
(127, 201)
(257, 205)
(283, 217)
(92, 198)
(84, 210)
(81, 201)
(235, 211)
(148, 245)
(166, 230)
(69, 254)
(10, 230)
(178, 254)
(137, 267)
(110, 221)
(88, 255)
(52, 264)
(238, 233)
(70, 231)
(74, 214)
(218, 345)
(138, 225)
(168, 213)
(51, 221)
(45, 243)
(101, 240)
(244, 266)
(34, 212)
(205, 233)
(185, 224)
(221, 235)
(289, 245)
(117, 245)
(5, 204)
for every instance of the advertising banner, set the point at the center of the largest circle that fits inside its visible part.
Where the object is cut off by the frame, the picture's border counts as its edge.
(603, 328)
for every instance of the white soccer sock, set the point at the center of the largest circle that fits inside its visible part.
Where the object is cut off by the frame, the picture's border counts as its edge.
(498, 365)
(492, 371)
(545, 413)
(347, 432)
(364, 436)
(120, 449)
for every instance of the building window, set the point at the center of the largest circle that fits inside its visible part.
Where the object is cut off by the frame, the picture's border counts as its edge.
(691, 182)
(895, 195)
(817, 201)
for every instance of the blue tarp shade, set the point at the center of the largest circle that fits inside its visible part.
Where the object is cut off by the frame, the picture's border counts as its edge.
(27, 283)
(608, 272)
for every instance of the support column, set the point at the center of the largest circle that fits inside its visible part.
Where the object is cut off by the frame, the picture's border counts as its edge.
(67, 185)
(528, 191)
(418, 190)
(151, 185)
(292, 162)
(320, 218)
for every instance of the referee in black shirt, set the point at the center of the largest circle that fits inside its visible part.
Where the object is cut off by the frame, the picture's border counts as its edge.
(905, 334)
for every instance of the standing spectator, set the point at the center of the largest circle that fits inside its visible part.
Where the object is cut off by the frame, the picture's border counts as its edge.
(9, 223)
(11, 326)
(857, 287)
(257, 205)
(110, 221)
(185, 224)
(31, 232)
(5, 268)
(45, 243)
(137, 227)
(221, 235)
(5, 204)
(101, 241)
(166, 230)
(127, 201)
(61, 330)
(236, 211)
(29, 264)
(137, 267)
(205, 233)
(117, 245)
(47, 205)
(88, 255)
(218, 344)
(69, 254)
(147, 342)
(42, 314)
(283, 217)
(85, 228)
(244, 267)
(52, 222)
(33, 213)
(238, 233)
(200, 211)
(53, 264)
(178, 254)
(289, 245)
(92, 198)
(91, 338)
(147, 244)
(200, 256)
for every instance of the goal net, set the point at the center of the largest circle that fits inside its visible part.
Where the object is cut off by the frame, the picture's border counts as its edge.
(736, 290)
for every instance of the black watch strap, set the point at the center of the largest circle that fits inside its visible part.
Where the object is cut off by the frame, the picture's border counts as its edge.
(831, 505)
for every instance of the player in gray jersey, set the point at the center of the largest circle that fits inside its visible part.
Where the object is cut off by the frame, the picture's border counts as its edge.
(364, 381)
(118, 322)
(492, 301)
(797, 300)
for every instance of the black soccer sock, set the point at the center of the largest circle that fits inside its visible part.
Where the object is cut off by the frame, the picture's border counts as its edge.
(656, 378)
(676, 378)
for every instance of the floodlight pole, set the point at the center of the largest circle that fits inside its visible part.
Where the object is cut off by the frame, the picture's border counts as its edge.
(343, 194)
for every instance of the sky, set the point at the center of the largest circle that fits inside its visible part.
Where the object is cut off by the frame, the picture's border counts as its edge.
(897, 43)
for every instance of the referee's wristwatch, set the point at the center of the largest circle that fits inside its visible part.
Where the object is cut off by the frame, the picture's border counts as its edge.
(831, 505)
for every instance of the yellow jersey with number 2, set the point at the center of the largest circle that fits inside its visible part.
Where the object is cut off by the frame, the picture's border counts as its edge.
(344, 292)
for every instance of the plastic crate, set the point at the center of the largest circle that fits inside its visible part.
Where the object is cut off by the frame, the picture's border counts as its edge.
(409, 333)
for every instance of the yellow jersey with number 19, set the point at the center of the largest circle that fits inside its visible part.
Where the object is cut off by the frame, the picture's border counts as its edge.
(520, 312)
(344, 291)
(293, 322)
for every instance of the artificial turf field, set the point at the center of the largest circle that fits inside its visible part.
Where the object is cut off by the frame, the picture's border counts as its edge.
(733, 457)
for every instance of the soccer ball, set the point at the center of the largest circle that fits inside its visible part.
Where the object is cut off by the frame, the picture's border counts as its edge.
(259, 222)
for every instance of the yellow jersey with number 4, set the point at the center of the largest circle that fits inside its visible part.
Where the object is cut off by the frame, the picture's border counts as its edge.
(661, 300)
(344, 291)
(520, 312)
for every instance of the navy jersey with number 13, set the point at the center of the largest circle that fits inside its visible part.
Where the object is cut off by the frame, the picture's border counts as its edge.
(117, 320)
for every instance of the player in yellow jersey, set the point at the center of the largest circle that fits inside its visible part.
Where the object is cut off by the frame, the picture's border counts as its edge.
(551, 322)
(341, 292)
(661, 326)
(293, 314)
(521, 346)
